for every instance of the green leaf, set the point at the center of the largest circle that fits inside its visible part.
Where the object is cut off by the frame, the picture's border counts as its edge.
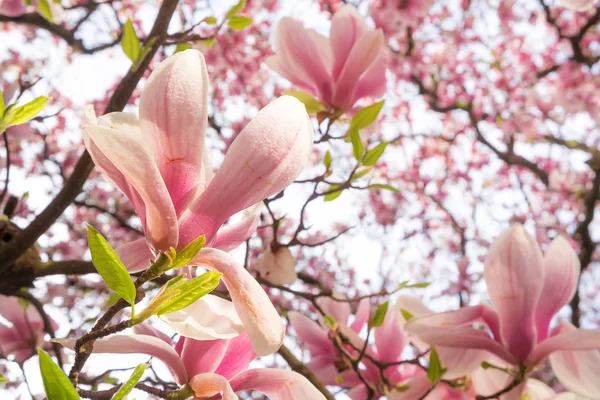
(379, 315)
(407, 316)
(20, 115)
(210, 20)
(357, 146)
(333, 195)
(366, 116)
(44, 9)
(383, 186)
(190, 291)
(372, 156)
(56, 383)
(185, 256)
(238, 8)
(128, 386)
(361, 173)
(327, 159)
(330, 321)
(1, 104)
(130, 42)
(435, 371)
(3, 379)
(312, 105)
(238, 22)
(208, 43)
(420, 285)
(110, 267)
(182, 46)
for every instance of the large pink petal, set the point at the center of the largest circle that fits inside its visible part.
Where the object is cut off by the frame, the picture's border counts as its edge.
(560, 282)
(365, 52)
(514, 272)
(347, 26)
(206, 386)
(146, 329)
(417, 387)
(124, 150)
(142, 344)
(372, 82)
(264, 158)
(202, 356)
(234, 234)
(237, 358)
(579, 5)
(460, 362)
(339, 310)
(136, 255)
(311, 333)
(12, 8)
(363, 312)
(295, 59)
(390, 340)
(261, 320)
(578, 371)
(277, 384)
(567, 338)
(489, 381)
(173, 117)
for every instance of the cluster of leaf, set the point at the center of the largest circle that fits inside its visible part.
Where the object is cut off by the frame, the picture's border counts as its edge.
(14, 114)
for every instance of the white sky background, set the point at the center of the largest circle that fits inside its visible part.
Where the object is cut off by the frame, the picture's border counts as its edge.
(88, 77)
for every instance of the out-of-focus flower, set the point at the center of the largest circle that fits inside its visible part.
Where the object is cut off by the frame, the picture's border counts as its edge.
(277, 267)
(24, 332)
(176, 195)
(391, 15)
(339, 70)
(579, 5)
(16, 8)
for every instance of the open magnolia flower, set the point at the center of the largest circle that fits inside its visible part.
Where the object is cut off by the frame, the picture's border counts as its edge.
(209, 367)
(579, 5)
(527, 290)
(338, 70)
(161, 164)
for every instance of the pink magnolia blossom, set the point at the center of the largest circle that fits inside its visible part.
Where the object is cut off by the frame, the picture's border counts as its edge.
(527, 290)
(579, 5)
(391, 15)
(16, 8)
(24, 332)
(339, 70)
(210, 367)
(176, 194)
(277, 267)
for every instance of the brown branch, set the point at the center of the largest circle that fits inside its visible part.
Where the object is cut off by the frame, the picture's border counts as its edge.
(299, 367)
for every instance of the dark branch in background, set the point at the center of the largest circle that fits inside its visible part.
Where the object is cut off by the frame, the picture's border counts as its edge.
(84, 166)
(122, 221)
(299, 367)
(7, 179)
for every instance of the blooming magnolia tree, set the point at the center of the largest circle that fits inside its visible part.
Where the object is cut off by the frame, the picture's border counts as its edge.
(300, 199)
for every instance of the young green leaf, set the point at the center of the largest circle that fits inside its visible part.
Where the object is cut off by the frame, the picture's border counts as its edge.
(128, 386)
(312, 105)
(327, 159)
(56, 383)
(24, 113)
(44, 9)
(379, 315)
(110, 267)
(190, 291)
(407, 316)
(210, 20)
(357, 146)
(130, 42)
(2, 106)
(383, 186)
(182, 47)
(366, 116)
(334, 194)
(434, 372)
(372, 156)
(238, 22)
(3, 379)
(238, 8)
(330, 321)
(361, 173)
(185, 256)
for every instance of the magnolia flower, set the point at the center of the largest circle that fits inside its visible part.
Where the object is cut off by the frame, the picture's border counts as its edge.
(279, 267)
(390, 15)
(339, 70)
(526, 290)
(24, 332)
(161, 164)
(579, 5)
(16, 8)
(210, 367)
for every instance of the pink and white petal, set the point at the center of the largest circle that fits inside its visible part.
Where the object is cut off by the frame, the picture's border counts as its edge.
(234, 234)
(146, 329)
(339, 310)
(561, 278)
(372, 82)
(278, 268)
(578, 5)
(412, 388)
(460, 362)
(578, 371)
(208, 318)
(124, 150)
(514, 272)
(138, 344)
(324, 368)
(358, 392)
(202, 356)
(489, 381)
(276, 384)
(365, 52)
(237, 358)
(324, 47)
(13, 8)
(206, 386)
(265, 158)
(311, 333)
(347, 26)
(261, 321)
(390, 340)
(363, 312)
(567, 338)
(538, 390)
(173, 118)
(136, 255)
